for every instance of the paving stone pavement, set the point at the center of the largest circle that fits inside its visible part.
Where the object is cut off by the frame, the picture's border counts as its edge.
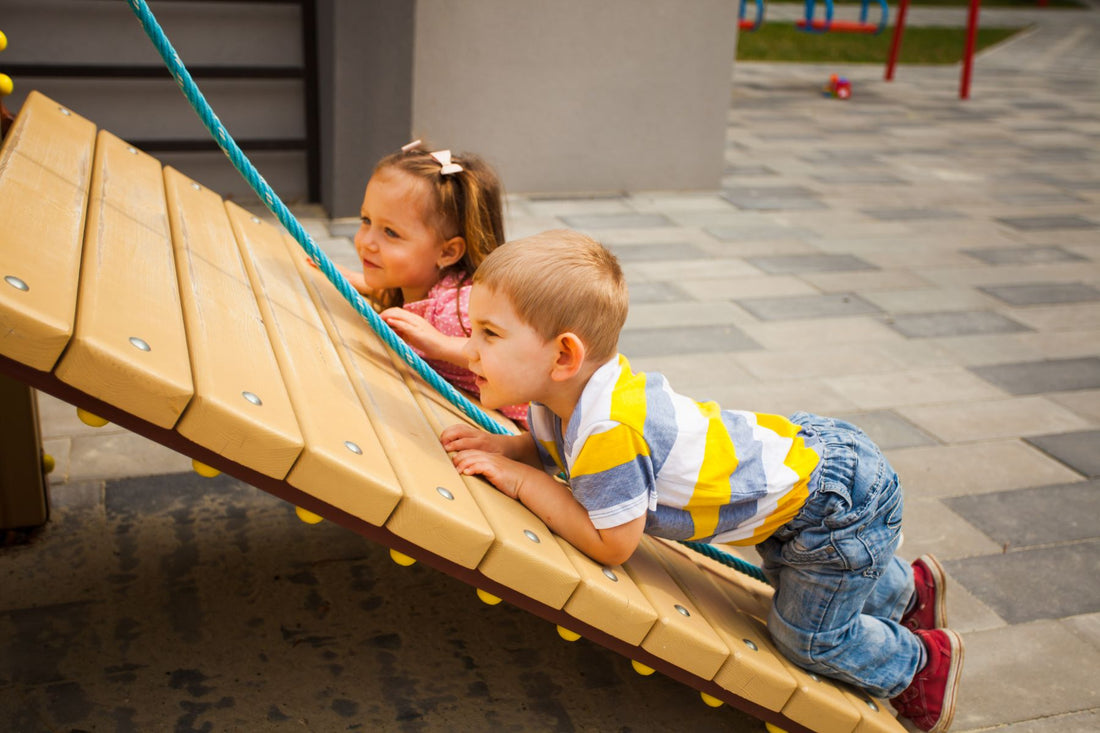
(926, 266)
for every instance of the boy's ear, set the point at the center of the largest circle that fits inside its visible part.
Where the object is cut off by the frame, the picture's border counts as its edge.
(451, 252)
(570, 357)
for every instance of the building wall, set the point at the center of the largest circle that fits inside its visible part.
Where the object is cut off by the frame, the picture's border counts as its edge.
(575, 95)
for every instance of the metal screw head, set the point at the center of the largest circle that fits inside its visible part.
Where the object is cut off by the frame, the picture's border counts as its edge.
(610, 575)
(531, 536)
(871, 704)
(353, 448)
(16, 283)
(64, 111)
(255, 220)
(683, 611)
(751, 644)
(252, 398)
(140, 344)
(445, 493)
(196, 186)
(131, 150)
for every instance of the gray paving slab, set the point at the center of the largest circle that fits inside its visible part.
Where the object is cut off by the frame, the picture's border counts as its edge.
(1023, 255)
(1032, 584)
(619, 221)
(889, 430)
(1054, 375)
(1024, 294)
(1046, 223)
(783, 264)
(957, 323)
(808, 306)
(1044, 515)
(1079, 450)
(636, 342)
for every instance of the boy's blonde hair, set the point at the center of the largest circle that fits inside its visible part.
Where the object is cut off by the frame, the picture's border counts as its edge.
(562, 281)
(467, 204)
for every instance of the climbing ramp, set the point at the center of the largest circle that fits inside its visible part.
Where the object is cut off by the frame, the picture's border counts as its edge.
(143, 298)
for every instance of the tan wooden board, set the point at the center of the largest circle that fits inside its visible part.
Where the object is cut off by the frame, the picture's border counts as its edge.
(681, 635)
(524, 554)
(342, 462)
(45, 172)
(231, 358)
(606, 598)
(752, 670)
(128, 346)
(437, 511)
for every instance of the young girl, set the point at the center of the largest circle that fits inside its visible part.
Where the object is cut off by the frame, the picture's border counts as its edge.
(428, 221)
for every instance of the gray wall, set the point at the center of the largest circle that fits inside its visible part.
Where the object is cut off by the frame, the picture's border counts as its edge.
(576, 95)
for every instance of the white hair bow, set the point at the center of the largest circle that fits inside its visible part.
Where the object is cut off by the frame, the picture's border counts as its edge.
(443, 157)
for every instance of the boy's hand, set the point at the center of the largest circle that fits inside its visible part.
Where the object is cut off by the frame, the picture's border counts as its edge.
(503, 473)
(462, 437)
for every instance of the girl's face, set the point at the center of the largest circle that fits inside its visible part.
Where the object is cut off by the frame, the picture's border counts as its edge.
(397, 241)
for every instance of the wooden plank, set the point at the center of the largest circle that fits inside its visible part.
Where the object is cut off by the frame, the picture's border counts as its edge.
(607, 599)
(437, 512)
(45, 172)
(342, 462)
(681, 635)
(129, 346)
(753, 670)
(753, 598)
(524, 554)
(241, 408)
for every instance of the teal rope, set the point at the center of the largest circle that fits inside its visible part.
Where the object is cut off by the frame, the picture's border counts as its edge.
(251, 176)
(726, 559)
(217, 130)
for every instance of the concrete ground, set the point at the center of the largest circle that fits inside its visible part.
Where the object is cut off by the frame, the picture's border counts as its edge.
(926, 266)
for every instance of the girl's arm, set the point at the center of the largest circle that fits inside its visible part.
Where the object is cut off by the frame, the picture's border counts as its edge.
(355, 279)
(554, 504)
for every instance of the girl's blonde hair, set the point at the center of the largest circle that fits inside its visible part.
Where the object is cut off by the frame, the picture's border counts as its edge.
(468, 204)
(562, 281)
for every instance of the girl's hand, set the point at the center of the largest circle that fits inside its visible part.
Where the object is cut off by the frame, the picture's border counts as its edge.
(503, 473)
(420, 334)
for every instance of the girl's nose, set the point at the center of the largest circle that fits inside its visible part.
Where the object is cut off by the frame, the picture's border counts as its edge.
(364, 241)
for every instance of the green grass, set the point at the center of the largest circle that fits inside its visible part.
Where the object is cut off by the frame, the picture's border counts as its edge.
(783, 42)
(1014, 4)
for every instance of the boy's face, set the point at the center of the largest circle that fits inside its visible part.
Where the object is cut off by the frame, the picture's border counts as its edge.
(510, 359)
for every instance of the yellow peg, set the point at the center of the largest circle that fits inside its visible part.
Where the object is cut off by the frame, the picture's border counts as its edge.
(567, 634)
(204, 470)
(711, 700)
(402, 559)
(487, 598)
(641, 669)
(307, 516)
(48, 463)
(3, 41)
(773, 728)
(88, 418)
(6, 85)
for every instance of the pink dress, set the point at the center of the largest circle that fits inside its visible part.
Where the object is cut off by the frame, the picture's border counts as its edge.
(447, 308)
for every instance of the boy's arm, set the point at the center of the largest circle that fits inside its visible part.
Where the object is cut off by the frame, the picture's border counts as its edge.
(553, 503)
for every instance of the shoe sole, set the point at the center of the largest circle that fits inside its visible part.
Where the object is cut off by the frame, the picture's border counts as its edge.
(939, 580)
(954, 672)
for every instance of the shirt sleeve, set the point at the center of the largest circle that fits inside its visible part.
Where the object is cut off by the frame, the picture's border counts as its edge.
(612, 475)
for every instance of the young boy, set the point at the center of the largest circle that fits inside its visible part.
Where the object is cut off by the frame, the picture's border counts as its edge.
(813, 494)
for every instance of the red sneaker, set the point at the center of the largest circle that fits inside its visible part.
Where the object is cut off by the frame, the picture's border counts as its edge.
(929, 701)
(930, 610)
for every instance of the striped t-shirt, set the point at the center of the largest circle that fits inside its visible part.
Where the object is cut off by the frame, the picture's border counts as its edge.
(634, 447)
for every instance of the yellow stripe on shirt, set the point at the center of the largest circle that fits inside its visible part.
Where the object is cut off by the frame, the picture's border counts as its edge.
(604, 451)
(712, 487)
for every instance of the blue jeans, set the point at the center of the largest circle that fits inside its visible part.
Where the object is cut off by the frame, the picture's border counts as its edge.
(839, 589)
